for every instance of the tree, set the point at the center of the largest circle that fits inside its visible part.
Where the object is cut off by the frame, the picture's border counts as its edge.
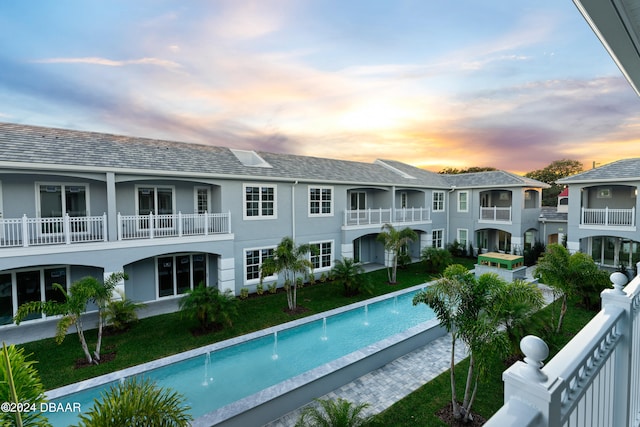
(333, 413)
(208, 306)
(138, 403)
(550, 174)
(435, 259)
(81, 293)
(567, 274)
(291, 260)
(393, 241)
(120, 314)
(20, 385)
(472, 169)
(349, 274)
(473, 310)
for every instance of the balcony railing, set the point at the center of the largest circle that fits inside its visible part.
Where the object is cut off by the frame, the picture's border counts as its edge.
(495, 214)
(180, 225)
(608, 217)
(383, 216)
(25, 231)
(593, 381)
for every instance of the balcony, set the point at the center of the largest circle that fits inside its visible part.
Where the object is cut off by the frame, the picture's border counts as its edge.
(608, 218)
(25, 231)
(495, 214)
(378, 217)
(593, 381)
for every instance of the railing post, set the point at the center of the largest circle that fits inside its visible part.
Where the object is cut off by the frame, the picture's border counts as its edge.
(633, 216)
(606, 215)
(66, 229)
(229, 222)
(25, 231)
(179, 223)
(624, 395)
(104, 227)
(206, 223)
(119, 226)
(151, 225)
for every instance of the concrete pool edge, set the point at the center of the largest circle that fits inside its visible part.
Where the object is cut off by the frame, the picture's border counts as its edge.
(276, 401)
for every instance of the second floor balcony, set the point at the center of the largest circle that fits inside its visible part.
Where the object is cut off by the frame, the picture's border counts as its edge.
(495, 214)
(608, 218)
(378, 217)
(26, 231)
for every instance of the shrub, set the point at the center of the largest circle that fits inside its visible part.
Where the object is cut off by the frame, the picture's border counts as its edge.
(209, 306)
(436, 259)
(273, 287)
(333, 413)
(259, 289)
(120, 314)
(244, 293)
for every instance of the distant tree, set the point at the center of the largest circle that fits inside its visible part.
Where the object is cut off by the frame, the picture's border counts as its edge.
(455, 171)
(394, 240)
(550, 174)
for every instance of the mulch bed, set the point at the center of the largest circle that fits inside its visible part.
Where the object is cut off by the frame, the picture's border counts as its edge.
(446, 415)
(107, 355)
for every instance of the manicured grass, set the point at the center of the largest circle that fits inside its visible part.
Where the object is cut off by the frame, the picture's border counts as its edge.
(159, 336)
(420, 407)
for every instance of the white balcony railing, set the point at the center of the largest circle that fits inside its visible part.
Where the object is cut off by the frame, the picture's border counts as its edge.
(25, 231)
(495, 214)
(383, 216)
(608, 217)
(178, 225)
(593, 381)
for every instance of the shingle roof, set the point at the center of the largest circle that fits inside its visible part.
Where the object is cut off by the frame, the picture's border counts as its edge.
(621, 170)
(91, 150)
(549, 213)
(492, 179)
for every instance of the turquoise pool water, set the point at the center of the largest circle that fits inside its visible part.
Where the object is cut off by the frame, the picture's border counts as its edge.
(214, 379)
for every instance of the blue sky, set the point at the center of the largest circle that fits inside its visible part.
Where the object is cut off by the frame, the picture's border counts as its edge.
(509, 84)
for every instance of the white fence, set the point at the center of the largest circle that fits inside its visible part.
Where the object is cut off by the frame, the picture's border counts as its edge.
(152, 226)
(386, 216)
(593, 381)
(15, 232)
(608, 217)
(496, 214)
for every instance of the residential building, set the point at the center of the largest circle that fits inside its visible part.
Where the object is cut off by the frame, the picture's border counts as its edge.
(172, 215)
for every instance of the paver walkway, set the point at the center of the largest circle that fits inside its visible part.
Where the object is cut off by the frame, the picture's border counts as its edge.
(392, 382)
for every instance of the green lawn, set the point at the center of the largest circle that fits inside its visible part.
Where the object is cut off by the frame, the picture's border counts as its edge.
(159, 336)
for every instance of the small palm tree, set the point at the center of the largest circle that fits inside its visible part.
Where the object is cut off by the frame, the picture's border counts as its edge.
(334, 413)
(120, 314)
(20, 383)
(394, 241)
(350, 274)
(138, 403)
(290, 260)
(208, 306)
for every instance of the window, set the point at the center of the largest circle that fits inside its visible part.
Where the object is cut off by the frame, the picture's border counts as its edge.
(202, 200)
(156, 200)
(320, 201)
(437, 237)
(6, 299)
(463, 201)
(28, 286)
(179, 273)
(56, 200)
(259, 201)
(604, 193)
(253, 260)
(404, 200)
(324, 255)
(438, 201)
(463, 238)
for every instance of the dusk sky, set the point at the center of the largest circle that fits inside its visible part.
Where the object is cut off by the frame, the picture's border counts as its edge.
(513, 84)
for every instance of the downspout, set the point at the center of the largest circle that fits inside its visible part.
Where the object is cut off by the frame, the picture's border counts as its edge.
(293, 210)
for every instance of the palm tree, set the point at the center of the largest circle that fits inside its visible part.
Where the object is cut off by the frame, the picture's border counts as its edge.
(208, 305)
(138, 403)
(393, 241)
(349, 273)
(566, 274)
(20, 385)
(290, 260)
(338, 413)
(81, 293)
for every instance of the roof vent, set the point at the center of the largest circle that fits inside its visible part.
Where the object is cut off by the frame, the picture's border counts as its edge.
(250, 158)
(393, 169)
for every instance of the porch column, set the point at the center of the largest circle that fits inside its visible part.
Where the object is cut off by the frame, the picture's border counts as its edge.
(112, 213)
(227, 274)
(118, 291)
(346, 250)
(426, 240)
(517, 244)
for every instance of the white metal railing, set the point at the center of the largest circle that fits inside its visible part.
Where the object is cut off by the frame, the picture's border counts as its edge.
(495, 213)
(174, 225)
(593, 381)
(608, 217)
(383, 216)
(25, 231)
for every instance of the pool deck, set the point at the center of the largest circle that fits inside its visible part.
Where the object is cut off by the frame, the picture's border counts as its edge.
(385, 386)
